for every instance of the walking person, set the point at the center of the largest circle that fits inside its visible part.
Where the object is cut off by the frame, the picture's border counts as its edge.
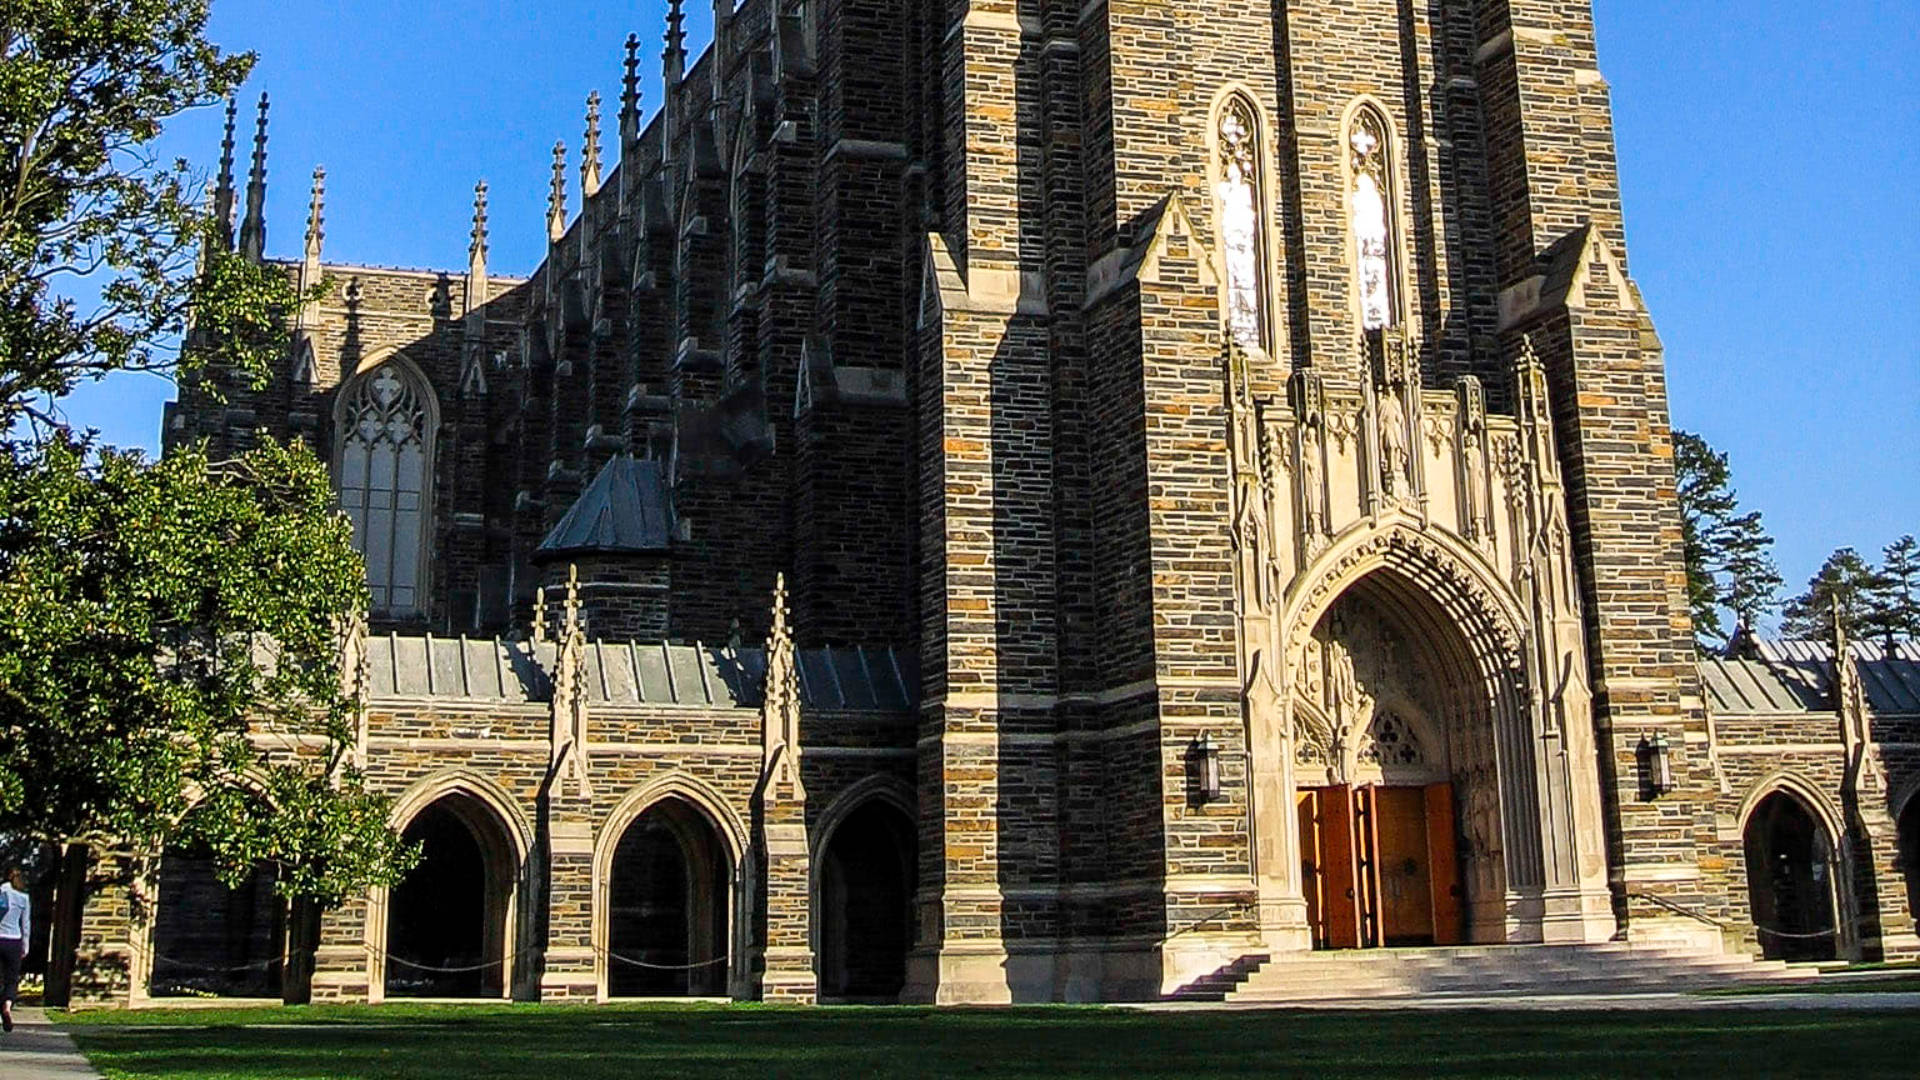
(16, 930)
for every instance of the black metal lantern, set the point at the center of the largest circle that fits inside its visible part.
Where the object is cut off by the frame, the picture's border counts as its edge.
(1206, 768)
(1656, 765)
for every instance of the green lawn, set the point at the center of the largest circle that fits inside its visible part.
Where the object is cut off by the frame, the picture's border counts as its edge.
(558, 1043)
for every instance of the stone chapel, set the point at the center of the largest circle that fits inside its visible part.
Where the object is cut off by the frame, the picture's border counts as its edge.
(1018, 500)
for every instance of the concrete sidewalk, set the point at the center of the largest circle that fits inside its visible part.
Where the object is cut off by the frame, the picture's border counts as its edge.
(36, 1050)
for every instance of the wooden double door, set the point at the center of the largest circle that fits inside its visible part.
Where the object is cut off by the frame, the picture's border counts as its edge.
(1379, 866)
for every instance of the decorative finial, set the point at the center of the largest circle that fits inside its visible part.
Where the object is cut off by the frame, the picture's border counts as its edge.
(573, 600)
(223, 192)
(477, 250)
(540, 614)
(253, 230)
(630, 93)
(590, 150)
(557, 197)
(316, 215)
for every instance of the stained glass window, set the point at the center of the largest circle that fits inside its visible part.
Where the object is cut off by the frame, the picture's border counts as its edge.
(384, 444)
(1239, 197)
(1372, 221)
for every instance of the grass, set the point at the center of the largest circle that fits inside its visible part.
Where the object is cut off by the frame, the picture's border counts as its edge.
(424, 1042)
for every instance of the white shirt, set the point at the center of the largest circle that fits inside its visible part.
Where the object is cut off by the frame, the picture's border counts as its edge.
(16, 923)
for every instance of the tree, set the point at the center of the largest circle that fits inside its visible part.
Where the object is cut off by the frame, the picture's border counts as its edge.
(167, 629)
(1894, 605)
(1751, 581)
(170, 627)
(86, 205)
(1843, 587)
(1728, 554)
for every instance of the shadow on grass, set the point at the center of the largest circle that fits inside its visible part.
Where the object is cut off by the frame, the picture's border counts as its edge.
(423, 1043)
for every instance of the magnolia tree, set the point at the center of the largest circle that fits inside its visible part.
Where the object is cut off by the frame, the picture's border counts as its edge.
(169, 631)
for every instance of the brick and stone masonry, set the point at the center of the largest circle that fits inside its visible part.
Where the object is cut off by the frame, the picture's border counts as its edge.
(1130, 382)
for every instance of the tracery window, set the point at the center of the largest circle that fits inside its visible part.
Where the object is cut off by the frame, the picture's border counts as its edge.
(1370, 205)
(1242, 243)
(386, 441)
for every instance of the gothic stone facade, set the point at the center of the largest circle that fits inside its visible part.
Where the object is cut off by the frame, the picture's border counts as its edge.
(1242, 415)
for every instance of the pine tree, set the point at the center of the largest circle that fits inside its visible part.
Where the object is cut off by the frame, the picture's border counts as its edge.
(1895, 602)
(1728, 554)
(1843, 587)
(1701, 478)
(1752, 581)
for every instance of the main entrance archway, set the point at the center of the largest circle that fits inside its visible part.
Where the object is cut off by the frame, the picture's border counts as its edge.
(1400, 737)
(865, 904)
(447, 922)
(1790, 866)
(667, 904)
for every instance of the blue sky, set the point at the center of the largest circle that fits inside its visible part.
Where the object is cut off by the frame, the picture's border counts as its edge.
(1766, 154)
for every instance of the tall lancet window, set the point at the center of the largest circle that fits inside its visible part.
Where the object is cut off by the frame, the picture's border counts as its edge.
(1242, 242)
(386, 446)
(1370, 204)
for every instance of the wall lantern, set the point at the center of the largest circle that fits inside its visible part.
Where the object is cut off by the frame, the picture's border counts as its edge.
(1656, 765)
(1204, 761)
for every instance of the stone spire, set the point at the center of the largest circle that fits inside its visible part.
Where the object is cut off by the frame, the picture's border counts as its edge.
(473, 341)
(675, 56)
(630, 96)
(557, 195)
(477, 249)
(674, 69)
(308, 317)
(780, 708)
(316, 217)
(253, 229)
(785, 958)
(223, 192)
(590, 151)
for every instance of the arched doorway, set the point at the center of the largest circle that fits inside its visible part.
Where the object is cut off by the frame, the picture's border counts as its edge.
(667, 904)
(1404, 747)
(865, 913)
(210, 940)
(1790, 879)
(447, 923)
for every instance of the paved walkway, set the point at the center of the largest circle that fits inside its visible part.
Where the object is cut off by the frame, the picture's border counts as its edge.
(36, 1050)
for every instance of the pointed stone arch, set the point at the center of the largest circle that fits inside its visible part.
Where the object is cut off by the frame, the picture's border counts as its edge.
(503, 842)
(1799, 866)
(697, 804)
(864, 859)
(1525, 857)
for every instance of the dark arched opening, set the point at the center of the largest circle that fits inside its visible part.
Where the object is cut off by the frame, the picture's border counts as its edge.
(211, 940)
(667, 906)
(1790, 880)
(447, 922)
(866, 904)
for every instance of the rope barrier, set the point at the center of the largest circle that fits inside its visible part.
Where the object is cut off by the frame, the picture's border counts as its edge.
(205, 970)
(611, 955)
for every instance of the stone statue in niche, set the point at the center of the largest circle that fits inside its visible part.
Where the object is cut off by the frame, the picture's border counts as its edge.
(1473, 456)
(1396, 458)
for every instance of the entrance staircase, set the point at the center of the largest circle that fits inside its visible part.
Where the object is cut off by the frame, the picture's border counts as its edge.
(1481, 971)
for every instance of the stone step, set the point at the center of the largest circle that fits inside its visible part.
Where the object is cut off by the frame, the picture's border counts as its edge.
(1484, 970)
